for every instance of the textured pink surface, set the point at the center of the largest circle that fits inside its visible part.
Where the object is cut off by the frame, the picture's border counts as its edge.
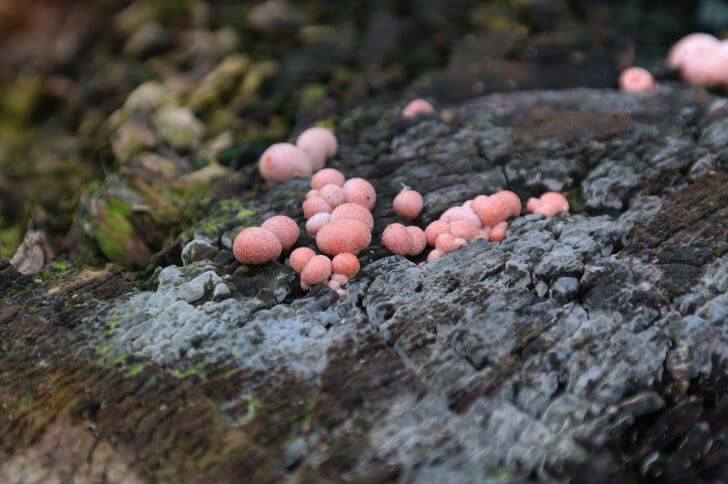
(299, 257)
(319, 144)
(499, 232)
(434, 255)
(282, 162)
(433, 231)
(327, 176)
(461, 213)
(353, 211)
(285, 229)
(345, 264)
(463, 229)
(397, 239)
(316, 271)
(315, 204)
(408, 204)
(314, 224)
(419, 240)
(492, 210)
(256, 245)
(332, 194)
(358, 190)
(342, 236)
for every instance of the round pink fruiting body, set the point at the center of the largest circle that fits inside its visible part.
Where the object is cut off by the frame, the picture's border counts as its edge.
(463, 229)
(419, 240)
(319, 144)
(341, 236)
(492, 210)
(499, 232)
(434, 255)
(327, 176)
(345, 265)
(636, 79)
(317, 270)
(532, 205)
(340, 278)
(512, 200)
(358, 190)
(397, 239)
(408, 204)
(461, 213)
(314, 224)
(707, 67)
(417, 107)
(312, 193)
(557, 200)
(285, 229)
(299, 257)
(433, 231)
(314, 205)
(445, 243)
(332, 194)
(353, 211)
(689, 46)
(256, 245)
(282, 162)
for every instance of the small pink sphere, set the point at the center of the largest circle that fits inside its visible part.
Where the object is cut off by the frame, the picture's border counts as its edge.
(433, 231)
(461, 213)
(689, 46)
(434, 255)
(327, 176)
(419, 240)
(353, 211)
(550, 204)
(345, 265)
(319, 144)
(314, 224)
(317, 270)
(312, 193)
(340, 278)
(358, 190)
(445, 243)
(256, 245)
(532, 205)
(397, 239)
(341, 236)
(417, 107)
(314, 205)
(285, 228)
(463, 229)
(499, 232)
(492, 210)
(636, 79)
(512, 200)
(282, 162)
(332, 194)
(408, 204)
(556, 199)
(299, 257)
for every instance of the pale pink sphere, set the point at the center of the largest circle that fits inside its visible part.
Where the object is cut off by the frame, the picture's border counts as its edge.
(689, 46)
(433, 231)
(285, 228)
(353, 211)
(341, 236)
(445, 243)
(345, 265)
(408, 204)
(550, 204)
(314, 224)
(327, 176)
(319, 144)
(463, 229)
(461, 213)
(434, 255)
(332, 194)
(492, 210)
(341, 279)
(397, 239)
(282, 162)
(557, 200)
(315, 204)
(706, 68)
(636, 79)
(256, 245)
(417, 107)
(499, 232)
(512, 199)
(358, 190)
(419, 240)
(316, 271)
(312, 193)
(532, 205)
(299, 257)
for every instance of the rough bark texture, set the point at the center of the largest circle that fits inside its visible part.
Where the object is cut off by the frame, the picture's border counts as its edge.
(591, 346)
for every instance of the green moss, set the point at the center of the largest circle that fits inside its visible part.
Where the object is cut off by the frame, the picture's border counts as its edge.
(113, 229)
(312, 95)
(135, 369)
(10, 239)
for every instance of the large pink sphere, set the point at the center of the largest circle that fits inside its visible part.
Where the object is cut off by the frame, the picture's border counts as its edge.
(285, 229)
(315, 204)
(419, 240)
(463, 229)
(353, 211)
(461, 213)
(319, 144)
(350, 236)
(256, 245)
(636, 79)
(345, 264)
(397, 239)
(433, 231)
(358, 190)
(282, 162)
(299, 257)
(689, 46)
(511, 199)
(316, 271)
(327, 176)
(408, 204)
(492, 210)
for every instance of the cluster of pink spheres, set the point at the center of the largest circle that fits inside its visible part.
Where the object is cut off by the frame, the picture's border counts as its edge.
(701, 59)
(338, 214)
